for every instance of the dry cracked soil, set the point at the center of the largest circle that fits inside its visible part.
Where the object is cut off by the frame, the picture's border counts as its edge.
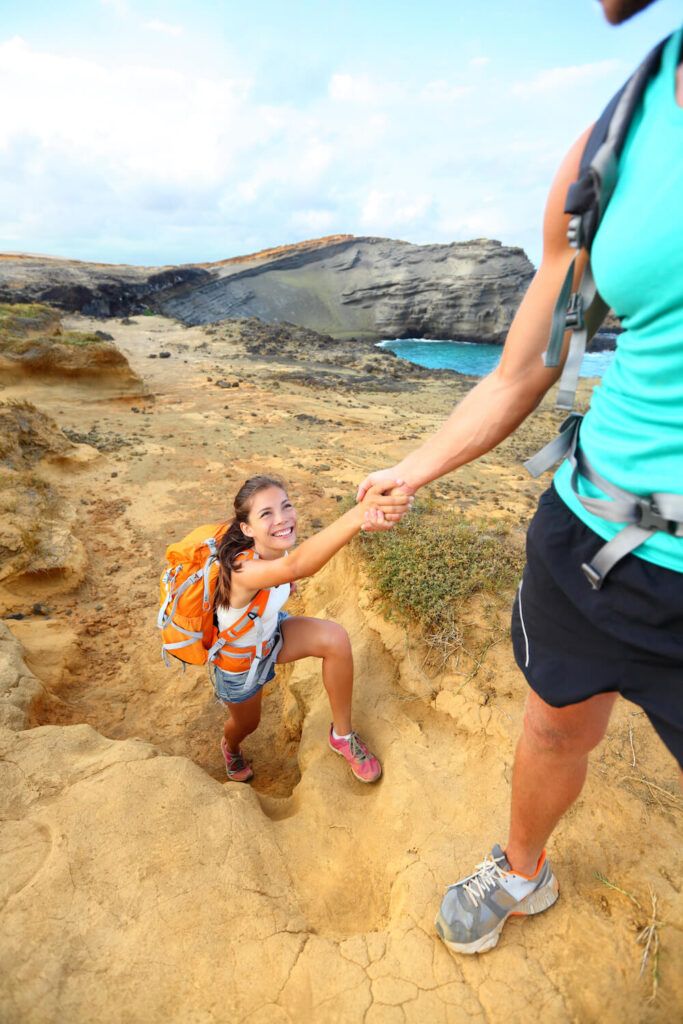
(137, 885)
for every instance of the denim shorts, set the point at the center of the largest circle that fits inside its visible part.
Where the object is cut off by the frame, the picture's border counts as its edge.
(229, 686)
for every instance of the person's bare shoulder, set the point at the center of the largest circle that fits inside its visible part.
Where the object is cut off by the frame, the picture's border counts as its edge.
(555, 220)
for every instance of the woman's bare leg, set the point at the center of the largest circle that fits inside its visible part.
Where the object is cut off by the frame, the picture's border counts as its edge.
(305, 637)
(244, 718)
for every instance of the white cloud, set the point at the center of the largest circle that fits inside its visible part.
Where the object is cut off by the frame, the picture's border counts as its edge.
(479, 62)
(163, 27)
(315, 222)
(384, 211)
(131, 121)
(443, 91)
(108, 160)
(361, 89)
(119, 6)
(554, 79)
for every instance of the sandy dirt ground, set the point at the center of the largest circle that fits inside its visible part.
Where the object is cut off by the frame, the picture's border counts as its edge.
(141, 887)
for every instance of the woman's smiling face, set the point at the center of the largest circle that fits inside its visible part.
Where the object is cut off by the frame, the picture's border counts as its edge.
(271, 521)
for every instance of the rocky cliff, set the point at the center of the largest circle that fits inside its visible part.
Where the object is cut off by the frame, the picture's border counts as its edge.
(368, 288)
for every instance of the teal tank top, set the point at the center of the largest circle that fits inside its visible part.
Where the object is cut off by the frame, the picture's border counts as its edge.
(633, 431)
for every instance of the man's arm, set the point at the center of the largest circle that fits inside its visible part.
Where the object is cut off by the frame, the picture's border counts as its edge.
(503, 399)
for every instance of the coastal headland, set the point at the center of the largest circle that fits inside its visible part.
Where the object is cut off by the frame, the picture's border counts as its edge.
(343, 286)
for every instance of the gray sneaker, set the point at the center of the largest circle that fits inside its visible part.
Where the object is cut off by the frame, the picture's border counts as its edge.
(474, 910)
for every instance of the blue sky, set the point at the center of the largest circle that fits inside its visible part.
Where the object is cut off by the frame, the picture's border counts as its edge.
(157, 133)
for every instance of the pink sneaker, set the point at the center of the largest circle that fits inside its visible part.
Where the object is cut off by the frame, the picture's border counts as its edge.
(237, 767)
(362, 762)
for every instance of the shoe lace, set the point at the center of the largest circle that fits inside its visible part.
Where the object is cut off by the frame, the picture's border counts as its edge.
(358, 748)
(237, 762)
(484, 879)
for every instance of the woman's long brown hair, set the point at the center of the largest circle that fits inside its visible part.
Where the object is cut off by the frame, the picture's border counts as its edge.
(234, 540)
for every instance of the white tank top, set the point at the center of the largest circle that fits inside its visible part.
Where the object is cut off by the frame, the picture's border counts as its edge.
(276, 599)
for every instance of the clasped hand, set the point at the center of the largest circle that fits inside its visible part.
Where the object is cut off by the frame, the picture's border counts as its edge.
(385, 498)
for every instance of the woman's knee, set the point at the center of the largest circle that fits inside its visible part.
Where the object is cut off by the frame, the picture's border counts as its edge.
(335, 640)
(573, 730)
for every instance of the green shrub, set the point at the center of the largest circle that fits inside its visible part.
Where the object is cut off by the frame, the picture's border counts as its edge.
(79, 338)
(429, 566)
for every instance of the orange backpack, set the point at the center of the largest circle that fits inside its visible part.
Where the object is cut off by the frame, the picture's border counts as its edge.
(186, 613)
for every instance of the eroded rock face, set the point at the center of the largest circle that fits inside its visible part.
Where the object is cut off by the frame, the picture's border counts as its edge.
(33, 343)
(368, 288)
(35, 524)
(96, 289)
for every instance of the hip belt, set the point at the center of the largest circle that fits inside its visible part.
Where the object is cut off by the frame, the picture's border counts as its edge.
(642, 516)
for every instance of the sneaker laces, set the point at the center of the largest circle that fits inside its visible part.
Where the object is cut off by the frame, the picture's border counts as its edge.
(484, 880)
(358, 748)
(236, 762)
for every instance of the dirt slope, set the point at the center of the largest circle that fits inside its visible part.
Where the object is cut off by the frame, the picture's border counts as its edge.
(138, 886)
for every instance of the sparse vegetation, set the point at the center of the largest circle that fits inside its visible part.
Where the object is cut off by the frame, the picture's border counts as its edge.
(25, 324)
(78, 338)
(433, 563)
(22, 321)
(23, 311)
(648, 933)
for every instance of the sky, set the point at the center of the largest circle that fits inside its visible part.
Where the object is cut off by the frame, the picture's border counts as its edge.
(157, 133)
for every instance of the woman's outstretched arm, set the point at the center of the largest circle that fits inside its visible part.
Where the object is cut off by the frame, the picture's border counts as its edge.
(310, 556)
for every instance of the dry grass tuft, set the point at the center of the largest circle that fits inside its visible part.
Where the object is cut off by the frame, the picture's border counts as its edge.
(648, 935)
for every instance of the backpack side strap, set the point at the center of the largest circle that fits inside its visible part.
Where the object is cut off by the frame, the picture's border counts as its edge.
(642, 515)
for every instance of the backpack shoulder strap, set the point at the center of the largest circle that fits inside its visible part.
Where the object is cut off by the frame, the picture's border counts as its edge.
(255, 608)
(588, 196)
(583, 310)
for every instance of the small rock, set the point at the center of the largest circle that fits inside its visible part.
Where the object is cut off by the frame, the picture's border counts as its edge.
(40, 609)
(164, 355)
(99, 607)
(15, 615)
(134, 408)
(126, 320)
(114, 473)
(235, 383)
(104, 336)
(223, 384)
(152, 355)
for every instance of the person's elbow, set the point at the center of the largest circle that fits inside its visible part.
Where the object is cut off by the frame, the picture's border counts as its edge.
(524, 385)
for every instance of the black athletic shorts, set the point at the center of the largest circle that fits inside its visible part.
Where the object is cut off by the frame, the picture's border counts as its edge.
(572, 642)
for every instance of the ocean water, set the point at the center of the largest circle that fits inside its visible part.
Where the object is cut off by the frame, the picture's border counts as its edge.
(473, 358)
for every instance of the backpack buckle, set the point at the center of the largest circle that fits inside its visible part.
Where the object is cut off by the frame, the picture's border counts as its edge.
(574, 314)
(595, 578)
(652, 519)
(575, 232)
(252, 615)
